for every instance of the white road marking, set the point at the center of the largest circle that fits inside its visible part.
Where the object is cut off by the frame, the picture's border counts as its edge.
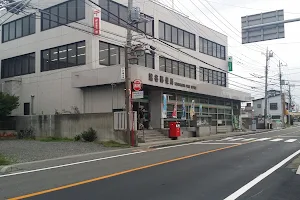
(226, 138)
(259, 178)
(249, 139)
(298, 171)
(217, 143)
(236, 139)
(70, 164)
(262, 139)
(276, 140)
(290, 140)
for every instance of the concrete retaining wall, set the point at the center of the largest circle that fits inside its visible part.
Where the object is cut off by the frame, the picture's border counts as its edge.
(69, 125)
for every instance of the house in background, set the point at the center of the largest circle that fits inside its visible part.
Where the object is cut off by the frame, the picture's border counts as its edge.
(274, 108)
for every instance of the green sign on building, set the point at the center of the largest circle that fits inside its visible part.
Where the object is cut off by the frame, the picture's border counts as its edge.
(230, 63)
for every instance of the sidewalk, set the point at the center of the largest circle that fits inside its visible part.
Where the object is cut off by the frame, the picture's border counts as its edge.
(197, 139)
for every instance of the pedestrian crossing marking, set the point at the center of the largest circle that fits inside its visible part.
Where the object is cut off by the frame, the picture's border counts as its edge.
(236, 139)
(262, 139)
(249, 139)
(276, 140)
(290, 140)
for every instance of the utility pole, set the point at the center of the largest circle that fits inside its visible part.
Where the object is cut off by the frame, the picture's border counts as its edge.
(127, 76)
(281, 96)
(290, 103)
(266, 88)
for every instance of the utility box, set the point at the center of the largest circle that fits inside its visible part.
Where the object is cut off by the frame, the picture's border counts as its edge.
(174, 130)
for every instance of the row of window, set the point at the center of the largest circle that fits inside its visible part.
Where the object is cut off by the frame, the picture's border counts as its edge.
(63, 13)
(17, 66)
(117, 14)
(64, 56)
(176, 67)
(110, 54)
(211, 48)
(176, 35)
(18, 28)
(212, 76)
(273, 106)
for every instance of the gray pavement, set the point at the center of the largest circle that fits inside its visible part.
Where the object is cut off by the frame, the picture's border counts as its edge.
(202, 170)
(20, 151)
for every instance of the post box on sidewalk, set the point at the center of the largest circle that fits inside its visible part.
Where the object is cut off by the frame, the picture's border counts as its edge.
(174, 131)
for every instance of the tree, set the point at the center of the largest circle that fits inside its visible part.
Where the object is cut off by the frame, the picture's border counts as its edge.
(7, 104)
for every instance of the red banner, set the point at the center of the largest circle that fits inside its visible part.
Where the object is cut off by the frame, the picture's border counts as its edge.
(96, 26)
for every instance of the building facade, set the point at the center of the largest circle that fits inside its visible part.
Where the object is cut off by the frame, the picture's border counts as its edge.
(274, 107)
(53, 62)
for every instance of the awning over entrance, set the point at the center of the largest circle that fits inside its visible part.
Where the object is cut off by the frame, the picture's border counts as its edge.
(115, 74)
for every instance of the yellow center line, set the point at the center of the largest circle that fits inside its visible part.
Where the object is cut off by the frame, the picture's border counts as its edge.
(120, 173)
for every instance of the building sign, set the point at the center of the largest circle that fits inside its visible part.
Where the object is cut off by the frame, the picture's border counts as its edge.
(169, 81)
(137, 94)
(164, 107)
(97, 21)
(122, 73)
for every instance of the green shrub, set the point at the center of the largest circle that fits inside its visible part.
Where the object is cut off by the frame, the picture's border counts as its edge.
(77, 137)
(90, 135)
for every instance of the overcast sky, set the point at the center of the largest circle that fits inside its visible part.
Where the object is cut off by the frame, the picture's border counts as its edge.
(248, 58)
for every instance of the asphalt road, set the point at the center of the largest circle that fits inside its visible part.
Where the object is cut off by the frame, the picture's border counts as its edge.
(248, 167)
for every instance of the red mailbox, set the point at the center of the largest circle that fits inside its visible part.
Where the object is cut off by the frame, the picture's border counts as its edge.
(174, 131)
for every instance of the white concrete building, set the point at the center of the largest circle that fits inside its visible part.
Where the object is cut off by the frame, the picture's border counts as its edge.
(53, 68)
(274, 108)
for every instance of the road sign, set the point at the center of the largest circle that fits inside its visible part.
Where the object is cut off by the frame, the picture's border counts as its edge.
(137, 85)
(257, 27)
(230, 63)
(138, 95)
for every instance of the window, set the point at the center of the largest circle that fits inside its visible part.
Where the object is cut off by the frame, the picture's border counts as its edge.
(178, 68)
(176, 36)
(193, 71)
(162, 64)
(5, 32)
(220, 78)
(210, 76)
(16, 66)
(201, 74)
(19, 28)
(181, 69)
(113, 12)
(150, 61)
(201, 44)
(169, 66)
(110, 54)
(26, 108)
(215, 78)
(12, 30)
(223, 80)
(187, 71)
(273, 106)
(223, 52)
(63, 56)
(205, 46)
(186, 37)
(214, 50)
(211, 48)
(116, 13)
(205, 77)
(67, 12)
(258, 105)
(168, 33)
(180, 37)
(175, 67)
(218, 51)
(161, 30)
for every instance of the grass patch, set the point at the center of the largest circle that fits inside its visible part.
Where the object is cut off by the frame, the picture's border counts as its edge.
(4, 161)
(112, 143)
(55, 139)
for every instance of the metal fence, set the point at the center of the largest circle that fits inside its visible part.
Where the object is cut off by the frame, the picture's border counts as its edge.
(8, 125)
